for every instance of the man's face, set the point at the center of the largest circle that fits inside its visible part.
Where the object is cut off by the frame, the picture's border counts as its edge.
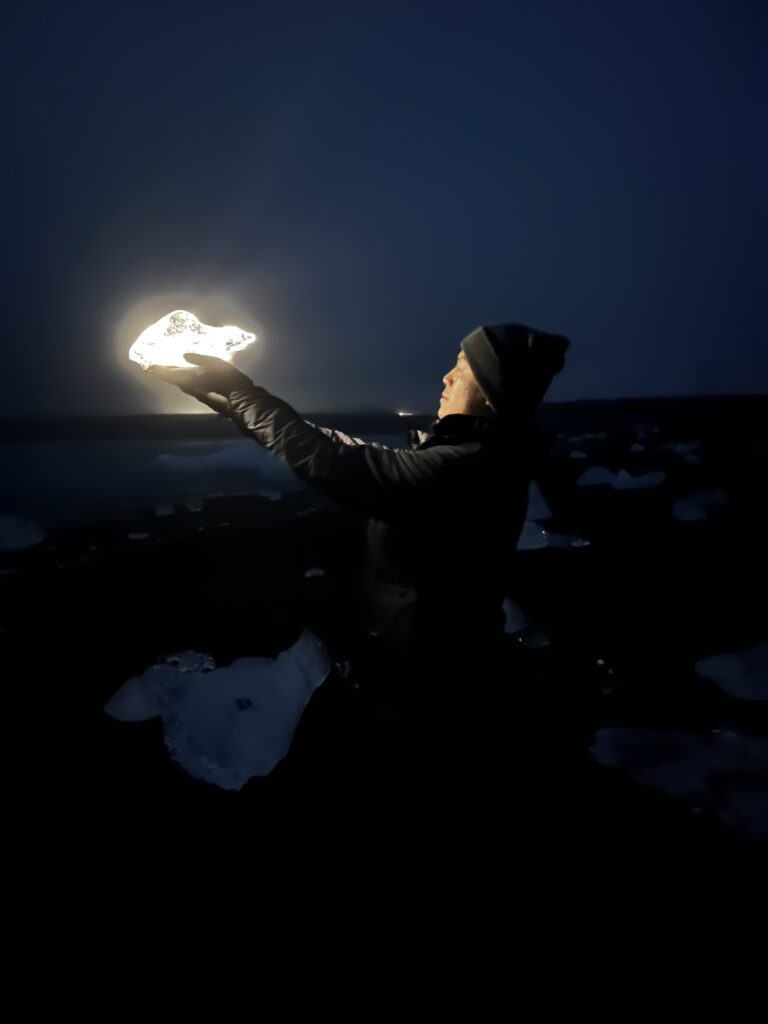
(462, 393)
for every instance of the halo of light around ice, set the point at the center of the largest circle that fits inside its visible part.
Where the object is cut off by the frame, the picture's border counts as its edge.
(165, 342)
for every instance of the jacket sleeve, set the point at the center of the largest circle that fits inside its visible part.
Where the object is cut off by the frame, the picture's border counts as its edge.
(336, 435)
(383, 483)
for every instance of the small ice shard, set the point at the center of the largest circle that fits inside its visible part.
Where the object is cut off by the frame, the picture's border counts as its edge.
(137, 536)
(637, 448)
(534, 538)
(537, 505)
(193, 503)
(515, 618)
(165, 342)
(725, 772)
(594, 476)
(314, 572)
(626, 482)
(743, 675)
(562, 540)
(699, 505)
(533, 638)
(272, 495)
(227, 725)
(164, 508)
(622, 481)
(17, 533)
(578, 455)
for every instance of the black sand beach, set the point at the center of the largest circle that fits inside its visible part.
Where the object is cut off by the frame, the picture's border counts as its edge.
(615, 629)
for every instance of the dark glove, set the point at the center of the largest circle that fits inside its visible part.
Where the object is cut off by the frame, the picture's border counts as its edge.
(206, 381)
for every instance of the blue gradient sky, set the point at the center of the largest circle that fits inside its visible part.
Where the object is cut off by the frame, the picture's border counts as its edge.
(364, 183)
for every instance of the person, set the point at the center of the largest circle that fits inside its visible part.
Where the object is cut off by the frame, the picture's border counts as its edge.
(444, 514)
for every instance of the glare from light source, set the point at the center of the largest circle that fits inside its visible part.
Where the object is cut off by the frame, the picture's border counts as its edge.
(165, 342)
(406, 413)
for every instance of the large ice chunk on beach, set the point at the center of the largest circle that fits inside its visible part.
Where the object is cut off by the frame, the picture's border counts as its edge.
(226, 725)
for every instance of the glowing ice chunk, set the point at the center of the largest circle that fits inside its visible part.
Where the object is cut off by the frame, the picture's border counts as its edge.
(165, 342)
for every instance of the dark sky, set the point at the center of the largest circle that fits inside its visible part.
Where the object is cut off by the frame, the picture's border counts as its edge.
(363, 183)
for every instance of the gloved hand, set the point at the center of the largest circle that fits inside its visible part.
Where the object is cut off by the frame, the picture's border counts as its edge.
(210, 380)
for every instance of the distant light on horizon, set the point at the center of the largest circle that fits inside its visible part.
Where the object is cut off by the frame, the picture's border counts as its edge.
(165, 342)
(403, 413)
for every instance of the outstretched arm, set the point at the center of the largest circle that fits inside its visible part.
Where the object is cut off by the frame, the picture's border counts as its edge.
(337, 435)
(384, 483)
(381, 482)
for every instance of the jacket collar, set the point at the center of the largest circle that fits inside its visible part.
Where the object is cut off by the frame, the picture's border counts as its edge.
(458, 427)
(455, 428)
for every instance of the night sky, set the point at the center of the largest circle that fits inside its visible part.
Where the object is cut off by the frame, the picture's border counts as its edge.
(364, 183)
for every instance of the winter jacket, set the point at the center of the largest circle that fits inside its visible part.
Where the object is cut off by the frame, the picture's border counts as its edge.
(444, 514)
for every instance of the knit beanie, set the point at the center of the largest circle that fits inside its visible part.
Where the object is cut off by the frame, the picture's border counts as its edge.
(514, 365)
